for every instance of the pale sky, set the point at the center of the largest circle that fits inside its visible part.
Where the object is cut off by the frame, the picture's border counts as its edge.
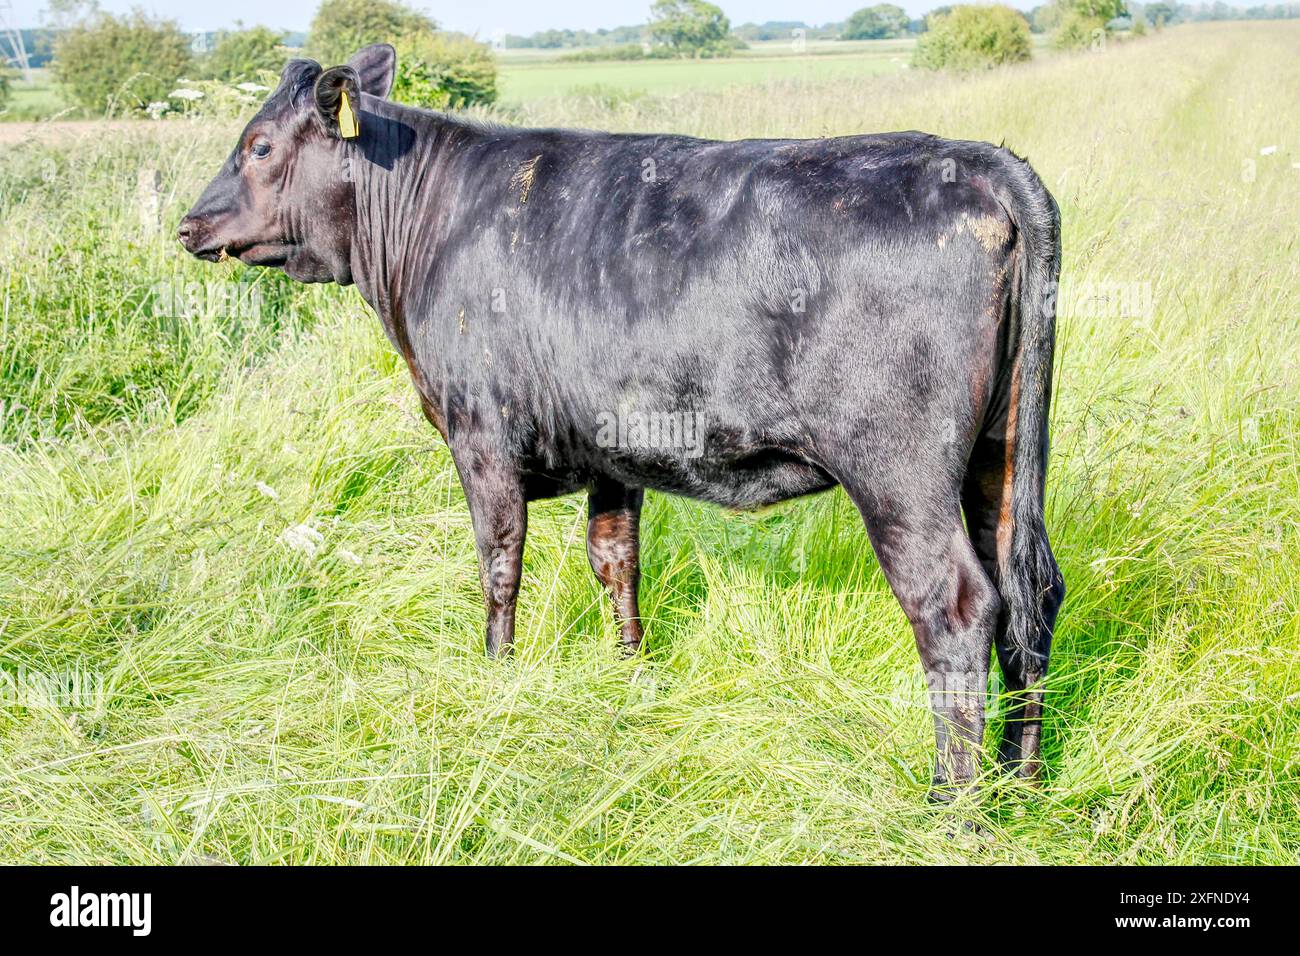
(484, 17)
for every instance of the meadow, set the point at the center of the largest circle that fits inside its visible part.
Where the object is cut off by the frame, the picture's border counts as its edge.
(527, 75)
(38, 99)
(531, 75)
(239, 612)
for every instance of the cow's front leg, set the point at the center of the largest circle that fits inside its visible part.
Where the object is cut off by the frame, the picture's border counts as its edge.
(494, 492)
(614, 549)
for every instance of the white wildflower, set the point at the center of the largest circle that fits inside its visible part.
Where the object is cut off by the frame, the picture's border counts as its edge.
(267, 490)
(348, 556)
(304, 538)
(252, 87)
(1268, 151)
(186, 94)
(156, 109)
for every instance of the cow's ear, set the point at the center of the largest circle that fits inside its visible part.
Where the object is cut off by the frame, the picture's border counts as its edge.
(298, 76)
(338, 102)
(376, 65)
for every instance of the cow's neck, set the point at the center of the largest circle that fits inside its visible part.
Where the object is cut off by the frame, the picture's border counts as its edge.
(404, 154)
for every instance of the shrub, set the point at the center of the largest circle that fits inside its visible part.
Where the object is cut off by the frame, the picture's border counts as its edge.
(973, 38)
(342, 27)
(128, 61)
(4, 86)
(438, 70)
(245, 55)
(1079, 32)
(621, 51)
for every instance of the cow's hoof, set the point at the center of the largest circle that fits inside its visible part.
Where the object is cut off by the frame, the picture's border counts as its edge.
(968, 833)
(1013, 763)
(943, 792)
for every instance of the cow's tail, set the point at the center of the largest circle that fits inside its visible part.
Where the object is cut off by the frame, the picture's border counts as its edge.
(1029, 579)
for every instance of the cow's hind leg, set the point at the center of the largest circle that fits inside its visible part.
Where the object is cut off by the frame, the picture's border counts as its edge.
(613, 547)
(986, 499)
(953, 608)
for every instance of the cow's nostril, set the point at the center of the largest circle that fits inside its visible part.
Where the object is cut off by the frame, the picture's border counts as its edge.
(185, 231)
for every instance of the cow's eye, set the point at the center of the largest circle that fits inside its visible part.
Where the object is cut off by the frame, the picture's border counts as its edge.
(261, 150)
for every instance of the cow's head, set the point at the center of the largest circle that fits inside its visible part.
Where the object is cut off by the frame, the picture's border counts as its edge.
(284, 198)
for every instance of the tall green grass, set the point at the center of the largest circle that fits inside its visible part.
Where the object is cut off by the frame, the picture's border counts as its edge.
(239, 541)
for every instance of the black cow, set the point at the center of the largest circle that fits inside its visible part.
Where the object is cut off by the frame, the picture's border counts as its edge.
(738, 322)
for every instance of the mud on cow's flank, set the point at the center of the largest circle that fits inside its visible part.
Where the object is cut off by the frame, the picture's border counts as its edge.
(991, 232)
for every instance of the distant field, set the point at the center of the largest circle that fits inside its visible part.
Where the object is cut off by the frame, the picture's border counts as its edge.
(522, 79)
(35, 100)
(526, 76)
(762, 48)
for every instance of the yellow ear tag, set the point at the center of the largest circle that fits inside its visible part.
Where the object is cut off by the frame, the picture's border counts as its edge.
(347, 119)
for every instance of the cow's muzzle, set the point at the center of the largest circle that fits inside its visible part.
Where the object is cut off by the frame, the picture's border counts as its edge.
(193, 235)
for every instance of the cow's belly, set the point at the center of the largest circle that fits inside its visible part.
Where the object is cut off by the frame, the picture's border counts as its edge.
(761, 479)
(755, 479)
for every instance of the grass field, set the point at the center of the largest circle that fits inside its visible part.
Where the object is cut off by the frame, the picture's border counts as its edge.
(239, 611)
(38, 99)
(525, 78)
(527, 75)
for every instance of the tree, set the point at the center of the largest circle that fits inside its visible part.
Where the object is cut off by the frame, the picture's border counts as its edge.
(690, 27)
(444, 71)
(973, 38)
(123, 61)
(1103, 10)
(1083, 22)
(342, 27)
(1078, 31)
(4, 86)
(1045, 18)
(243, 54)
(1160, 14)
(880, 22)
(933, 15)
(61, 14)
